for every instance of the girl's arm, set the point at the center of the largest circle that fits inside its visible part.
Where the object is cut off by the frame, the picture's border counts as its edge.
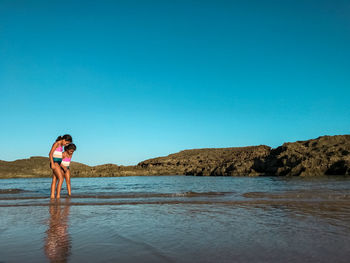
(54, 146)
(64, 168)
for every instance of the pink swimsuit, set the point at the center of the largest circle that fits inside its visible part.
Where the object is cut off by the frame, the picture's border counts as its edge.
(65, 162)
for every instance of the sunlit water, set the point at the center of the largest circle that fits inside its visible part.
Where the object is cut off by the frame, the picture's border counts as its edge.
(177, 219)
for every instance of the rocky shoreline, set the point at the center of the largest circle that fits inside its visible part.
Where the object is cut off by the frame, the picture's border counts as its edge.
(325, 155)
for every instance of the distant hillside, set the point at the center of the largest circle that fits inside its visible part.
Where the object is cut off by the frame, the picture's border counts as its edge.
(326, 155)
(40, 167)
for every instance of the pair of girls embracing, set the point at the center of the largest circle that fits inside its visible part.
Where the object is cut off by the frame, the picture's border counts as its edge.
(59, 163)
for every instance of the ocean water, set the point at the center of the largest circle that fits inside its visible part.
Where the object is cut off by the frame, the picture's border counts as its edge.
(177, 219)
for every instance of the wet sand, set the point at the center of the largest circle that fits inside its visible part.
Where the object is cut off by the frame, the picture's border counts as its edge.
(178, 220)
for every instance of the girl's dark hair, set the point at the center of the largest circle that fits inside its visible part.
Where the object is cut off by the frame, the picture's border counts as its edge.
(70, 146)
(66, 137)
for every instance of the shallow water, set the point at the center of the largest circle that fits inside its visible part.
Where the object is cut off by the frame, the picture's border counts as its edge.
(177, 219)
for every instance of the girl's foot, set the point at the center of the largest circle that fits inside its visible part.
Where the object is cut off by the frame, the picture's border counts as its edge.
(52, 197)
(58, 197)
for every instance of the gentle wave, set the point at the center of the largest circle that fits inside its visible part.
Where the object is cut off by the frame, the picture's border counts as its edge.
(12, 191)
(312, 194)
(129, 195)
(296, 203)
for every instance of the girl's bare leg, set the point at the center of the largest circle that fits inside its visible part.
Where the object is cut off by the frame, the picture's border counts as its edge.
(58, 172)
(53, 185)
(67, 176)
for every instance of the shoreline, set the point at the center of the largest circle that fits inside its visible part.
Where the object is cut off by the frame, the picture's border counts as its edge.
(183, 175)
(323, 156)
(148, 175)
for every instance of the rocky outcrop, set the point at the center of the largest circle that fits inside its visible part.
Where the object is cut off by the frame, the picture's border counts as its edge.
(209, 162)
(326, 155)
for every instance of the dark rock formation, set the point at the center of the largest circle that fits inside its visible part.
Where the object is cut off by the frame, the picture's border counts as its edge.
(326, 155)
(209, 162)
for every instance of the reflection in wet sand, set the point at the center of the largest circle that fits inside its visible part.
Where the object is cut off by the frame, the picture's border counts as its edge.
(333, 207)
(179, 219)
(57, 242)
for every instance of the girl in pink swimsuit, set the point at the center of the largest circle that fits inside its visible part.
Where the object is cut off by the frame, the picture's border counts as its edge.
(55, 156)
(66, 158)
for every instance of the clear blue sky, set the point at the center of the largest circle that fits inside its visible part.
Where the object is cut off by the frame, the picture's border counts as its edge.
(132, 80)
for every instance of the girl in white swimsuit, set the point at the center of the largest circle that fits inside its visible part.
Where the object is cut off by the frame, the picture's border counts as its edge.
(66, 158)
